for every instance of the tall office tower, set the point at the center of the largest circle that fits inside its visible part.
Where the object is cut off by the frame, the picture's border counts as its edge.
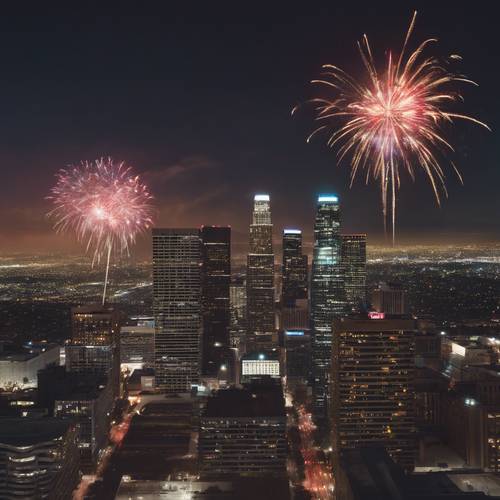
(353, 259)
(294, 268)
(327, 297)
(216, 280)
(389, 298)
(372, 386)
(38, 458)
(238, 312)
(260, 278)
(94, 342)
(177, 308)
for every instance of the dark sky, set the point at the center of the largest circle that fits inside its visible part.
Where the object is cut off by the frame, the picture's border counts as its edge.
(198, 97)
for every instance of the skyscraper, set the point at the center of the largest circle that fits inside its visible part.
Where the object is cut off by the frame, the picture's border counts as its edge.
(216, 280)
(238, 312)
(353, 259)
(294, 268)
(177, 308)
(372, 386)
(327, 296)
(260, 278)
(389, 298)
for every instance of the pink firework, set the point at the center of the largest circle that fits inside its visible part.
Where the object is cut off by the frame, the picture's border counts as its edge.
(392, 120)
(105, 204)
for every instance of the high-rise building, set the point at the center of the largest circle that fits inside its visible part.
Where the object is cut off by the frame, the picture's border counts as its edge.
(372, 386)
(216, 280)
(243, 432)
(238, 312)
(94, 345)
(177, 308)
(38, 458)
(353, 259)
(260, 278)
(137, 347)
(294, 268)
(389, 298)
(327, 296)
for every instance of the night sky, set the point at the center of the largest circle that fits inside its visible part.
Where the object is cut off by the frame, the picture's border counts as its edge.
(198, 99)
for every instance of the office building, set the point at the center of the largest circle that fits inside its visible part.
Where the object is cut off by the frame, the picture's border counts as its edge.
(137, 347)
(296, 317)
(353, 259)
(373, 397)
(389, 298)
(216, 281)
(238, 313)
(94, 325)
(294, 268)
(370, 474)
(88, 402)
(38, 458)
(327, 297)
(260, 278)
(93, 347)
(177, 308)
(298, 355)
(243, 432)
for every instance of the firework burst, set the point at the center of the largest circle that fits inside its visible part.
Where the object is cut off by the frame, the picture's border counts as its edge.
(104, 204)
(392, 121)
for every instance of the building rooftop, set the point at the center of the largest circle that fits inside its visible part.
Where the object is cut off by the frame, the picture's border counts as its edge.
(24, 431)
(263, 400)
(25, 353)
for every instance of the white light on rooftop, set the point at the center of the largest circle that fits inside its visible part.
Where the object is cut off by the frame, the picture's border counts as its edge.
(261, 197)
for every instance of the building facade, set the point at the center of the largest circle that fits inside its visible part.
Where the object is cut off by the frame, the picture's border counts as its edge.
(38, 458)
(137, 347)
(261, 332)
(243, 432)
(177, 308)
(353, 258)
(216, 281)
(238, 313)
(389, 298)
(373, 398)
(327, 296)
(294, 268)
(94, 345)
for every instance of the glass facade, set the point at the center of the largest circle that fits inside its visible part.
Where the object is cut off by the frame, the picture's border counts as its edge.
(294, 268)
(327, 296)
(260, 278)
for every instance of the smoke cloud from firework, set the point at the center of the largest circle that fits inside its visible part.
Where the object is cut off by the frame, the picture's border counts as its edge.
(392, 120)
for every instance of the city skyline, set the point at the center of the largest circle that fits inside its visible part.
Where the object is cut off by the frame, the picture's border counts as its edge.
(199, 173)
(206, 288)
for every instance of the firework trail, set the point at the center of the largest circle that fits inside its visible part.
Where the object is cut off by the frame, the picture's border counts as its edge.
(104, 204)
(392, 120)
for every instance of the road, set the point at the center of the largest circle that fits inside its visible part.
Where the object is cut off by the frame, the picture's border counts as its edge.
(319, 479)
